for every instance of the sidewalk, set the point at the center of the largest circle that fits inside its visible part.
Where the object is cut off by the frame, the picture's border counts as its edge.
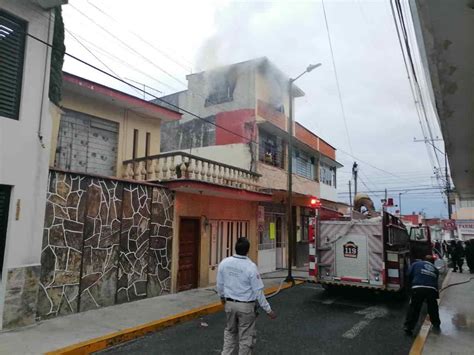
(63, 331)
(456, 311)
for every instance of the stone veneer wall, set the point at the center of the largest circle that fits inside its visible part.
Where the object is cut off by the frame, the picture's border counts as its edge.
(105, 242)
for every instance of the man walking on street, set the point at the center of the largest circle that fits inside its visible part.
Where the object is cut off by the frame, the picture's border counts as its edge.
(423, 278)
(239, 286)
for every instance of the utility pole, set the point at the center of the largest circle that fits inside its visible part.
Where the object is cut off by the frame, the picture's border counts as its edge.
(289, 202)
(350, 197)
(400, 202)
(448, 185)
(355, 170)
(289, 199)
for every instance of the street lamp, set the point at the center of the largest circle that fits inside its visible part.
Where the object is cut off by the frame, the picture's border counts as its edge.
(289, 201)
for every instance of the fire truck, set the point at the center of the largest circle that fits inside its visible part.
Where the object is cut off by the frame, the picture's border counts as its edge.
(372, 253)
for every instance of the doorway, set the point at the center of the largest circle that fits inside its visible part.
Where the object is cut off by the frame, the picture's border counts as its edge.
(4, 207)
(189, 238)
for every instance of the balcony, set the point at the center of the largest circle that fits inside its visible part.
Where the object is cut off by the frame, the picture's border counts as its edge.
(176, 166)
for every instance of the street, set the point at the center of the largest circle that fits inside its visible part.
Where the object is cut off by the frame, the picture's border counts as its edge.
(310, 320)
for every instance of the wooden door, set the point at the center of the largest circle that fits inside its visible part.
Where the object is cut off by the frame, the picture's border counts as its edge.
(189, 232)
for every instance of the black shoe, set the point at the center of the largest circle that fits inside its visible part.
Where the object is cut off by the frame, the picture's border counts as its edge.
(436, 329)
(408, 331)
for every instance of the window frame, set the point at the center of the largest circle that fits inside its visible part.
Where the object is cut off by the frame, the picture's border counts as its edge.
(23, 25)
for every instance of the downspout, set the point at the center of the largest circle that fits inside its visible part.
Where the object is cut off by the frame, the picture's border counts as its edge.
(40, 125)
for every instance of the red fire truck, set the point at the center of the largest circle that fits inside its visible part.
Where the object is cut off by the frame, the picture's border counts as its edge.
(371, 253)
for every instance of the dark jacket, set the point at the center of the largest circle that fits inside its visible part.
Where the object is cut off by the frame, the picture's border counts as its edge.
(423, 274)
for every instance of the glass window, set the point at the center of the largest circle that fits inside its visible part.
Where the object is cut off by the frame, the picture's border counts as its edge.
(327, 174)
(303, 164)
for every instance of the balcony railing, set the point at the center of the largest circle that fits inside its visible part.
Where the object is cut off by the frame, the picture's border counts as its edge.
(183, 166)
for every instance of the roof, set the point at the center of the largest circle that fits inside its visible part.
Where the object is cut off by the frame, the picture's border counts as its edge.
(85, 87)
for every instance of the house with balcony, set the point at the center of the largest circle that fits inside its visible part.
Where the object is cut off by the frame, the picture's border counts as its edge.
(240, 117)
(110, 135)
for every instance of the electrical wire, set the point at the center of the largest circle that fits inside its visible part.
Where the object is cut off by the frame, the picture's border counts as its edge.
(187, 111)
(163, 53)
(129, 47)
(337, 78)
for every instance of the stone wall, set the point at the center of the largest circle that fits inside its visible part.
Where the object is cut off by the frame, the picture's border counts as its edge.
(105, 242)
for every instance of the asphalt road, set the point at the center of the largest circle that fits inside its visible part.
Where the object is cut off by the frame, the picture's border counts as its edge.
(310, 321)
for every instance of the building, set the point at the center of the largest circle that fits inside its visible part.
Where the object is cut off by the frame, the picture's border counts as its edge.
(443, 63)
(239, 116)
(108, 133)
(25, 134)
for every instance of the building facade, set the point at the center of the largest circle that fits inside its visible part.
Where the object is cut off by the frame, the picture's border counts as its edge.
(240, 117)
(25, 135)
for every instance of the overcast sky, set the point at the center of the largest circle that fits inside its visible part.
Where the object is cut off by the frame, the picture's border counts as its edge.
(166, 40)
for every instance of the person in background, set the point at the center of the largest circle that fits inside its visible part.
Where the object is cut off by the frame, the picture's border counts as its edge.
(423, 279)
(437, 246)
(457, 255)
(239, 286)
(469, 251)
(445, 249)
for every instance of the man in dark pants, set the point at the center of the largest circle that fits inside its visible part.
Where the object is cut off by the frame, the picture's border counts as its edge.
(423, 277)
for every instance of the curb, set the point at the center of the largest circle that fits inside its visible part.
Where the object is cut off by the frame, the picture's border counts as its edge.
(112, 339)
(420, 340)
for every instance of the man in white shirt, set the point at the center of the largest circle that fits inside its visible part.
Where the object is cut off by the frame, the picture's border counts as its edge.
(239, 286)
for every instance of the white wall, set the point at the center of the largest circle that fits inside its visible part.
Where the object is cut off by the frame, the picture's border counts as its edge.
(328, 192)
(237, 155)
(23, 159)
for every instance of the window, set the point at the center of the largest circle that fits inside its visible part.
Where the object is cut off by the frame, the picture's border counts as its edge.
(303, 164)
(224, 234)
(327, 174)
(12, 48)
(464, 203)
(135, 144)
(271, 150)
(147, 144)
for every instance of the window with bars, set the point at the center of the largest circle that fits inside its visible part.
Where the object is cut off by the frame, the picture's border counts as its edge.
(303, 164)
(224, 235)
(271, 150)
(12, 51)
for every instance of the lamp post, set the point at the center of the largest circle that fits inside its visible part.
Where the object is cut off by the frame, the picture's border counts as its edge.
(289, 201)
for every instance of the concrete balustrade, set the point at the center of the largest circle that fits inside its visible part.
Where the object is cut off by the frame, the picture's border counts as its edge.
(184, 166)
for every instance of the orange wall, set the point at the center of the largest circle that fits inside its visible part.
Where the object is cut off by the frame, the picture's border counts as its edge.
(194, 205)
(306, 136)
(327, 150)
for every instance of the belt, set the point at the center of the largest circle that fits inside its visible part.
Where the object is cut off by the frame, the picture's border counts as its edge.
(232, 300)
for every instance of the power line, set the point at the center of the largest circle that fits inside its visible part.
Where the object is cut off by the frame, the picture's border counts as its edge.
(129, 47)
(143, 91)
(163, 53)
(337, 79)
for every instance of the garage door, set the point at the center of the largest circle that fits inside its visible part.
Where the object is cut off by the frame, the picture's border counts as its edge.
(87, 144)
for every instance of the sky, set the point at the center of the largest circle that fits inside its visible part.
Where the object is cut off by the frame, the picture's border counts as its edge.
(371, 119)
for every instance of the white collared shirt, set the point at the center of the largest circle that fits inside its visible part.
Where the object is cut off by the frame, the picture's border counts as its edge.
(238, 278)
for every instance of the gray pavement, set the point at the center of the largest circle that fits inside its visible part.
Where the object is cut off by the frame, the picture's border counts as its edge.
(310, 320)
(63, 331)
(457, 319)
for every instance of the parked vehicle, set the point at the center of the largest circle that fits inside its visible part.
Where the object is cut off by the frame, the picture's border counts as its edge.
(372, 253)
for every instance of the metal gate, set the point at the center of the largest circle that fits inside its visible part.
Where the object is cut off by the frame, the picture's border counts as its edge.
(87, 144)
